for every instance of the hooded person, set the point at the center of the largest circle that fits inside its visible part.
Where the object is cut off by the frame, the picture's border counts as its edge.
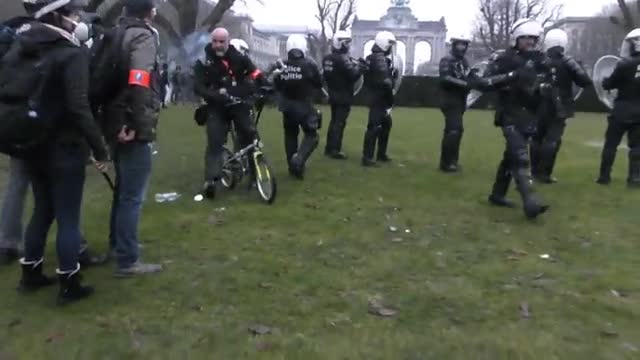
(56, 168)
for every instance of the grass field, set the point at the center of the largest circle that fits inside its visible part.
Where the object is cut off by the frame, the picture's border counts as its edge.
(467, 282)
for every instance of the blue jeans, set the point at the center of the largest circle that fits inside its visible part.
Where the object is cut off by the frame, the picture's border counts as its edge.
(57, 180)
(132, 163)
(13, 205)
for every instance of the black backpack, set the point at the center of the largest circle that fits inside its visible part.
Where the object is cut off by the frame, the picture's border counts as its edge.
(107, 75)
(7, 37)
(107, 72)
(24, 124)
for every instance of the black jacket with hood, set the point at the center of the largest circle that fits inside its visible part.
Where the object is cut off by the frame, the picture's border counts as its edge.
(65, 94)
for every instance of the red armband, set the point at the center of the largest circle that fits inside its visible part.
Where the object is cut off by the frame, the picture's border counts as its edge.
(254, 75)
(140, 78)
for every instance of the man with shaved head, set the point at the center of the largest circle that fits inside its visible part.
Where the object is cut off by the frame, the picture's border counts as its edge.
(225, 80)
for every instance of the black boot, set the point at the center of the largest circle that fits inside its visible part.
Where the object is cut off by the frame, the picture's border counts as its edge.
(532, 206)
(545, 163)
(209, 190)
(297, 167)
(501, 187)
(633, 180)
(606, 163)
(8, 256)
(383, 143)
(70, 288)
(32, 277)
(369, 163)
(449, 151)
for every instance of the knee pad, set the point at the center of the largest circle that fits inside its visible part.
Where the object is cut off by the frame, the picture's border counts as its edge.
(634, 152)
(522, 159)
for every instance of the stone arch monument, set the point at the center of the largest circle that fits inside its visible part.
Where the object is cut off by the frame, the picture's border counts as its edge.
(400, 20)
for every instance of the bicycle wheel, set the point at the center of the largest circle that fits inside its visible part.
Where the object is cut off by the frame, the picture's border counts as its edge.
(230, 177)
(265, 180)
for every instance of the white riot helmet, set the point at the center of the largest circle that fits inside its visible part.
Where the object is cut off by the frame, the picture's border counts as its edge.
(297, 42)
(461, 38)
(385, 40)
(240, 45)
(631, 44)
(341, 40)
(556, 38)
(525, 27)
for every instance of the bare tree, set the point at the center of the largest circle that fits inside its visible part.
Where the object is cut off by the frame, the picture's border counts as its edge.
(332, 15)
(496, 17)
(626, 18)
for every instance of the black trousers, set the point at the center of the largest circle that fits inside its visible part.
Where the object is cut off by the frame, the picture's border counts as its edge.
(378, 130)
(335, 133)
(546, 144)
(612, 139)
(218, 124)
(514, 164)
(298, 116)
(453, 130)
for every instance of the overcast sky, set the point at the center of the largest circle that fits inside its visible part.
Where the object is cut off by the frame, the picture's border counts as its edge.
(459, 14)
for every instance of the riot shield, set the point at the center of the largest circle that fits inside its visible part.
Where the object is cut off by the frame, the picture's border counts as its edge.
(601, 70)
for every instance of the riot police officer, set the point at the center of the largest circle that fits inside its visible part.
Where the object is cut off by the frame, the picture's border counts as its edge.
(226, 76)
(625, 116)
(341, 74)
(379, 80)
(296, 83)
(557, 107)
(454, 72)
(518, 74)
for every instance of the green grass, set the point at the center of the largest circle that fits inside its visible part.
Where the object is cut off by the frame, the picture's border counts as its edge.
(308, 265)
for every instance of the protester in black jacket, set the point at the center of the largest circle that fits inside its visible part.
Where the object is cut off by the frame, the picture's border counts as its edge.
(455, 87)
(341, 73)
(557, 107)
(625, 116)
(226, 81)
(57, 171)
(296, 82)
(380, 80)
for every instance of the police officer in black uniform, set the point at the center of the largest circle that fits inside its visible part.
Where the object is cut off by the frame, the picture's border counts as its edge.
(296, 81)
(379, 80)
(625, 116)
(454, 72)
(557, 107)
(518, 74)
(225, 77)
(341, 74)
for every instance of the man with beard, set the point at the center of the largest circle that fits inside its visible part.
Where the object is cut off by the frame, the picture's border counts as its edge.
(518, 75)
(341, 74)
(225, 81)
(454, 72)
(379, 80)
(557, 107)
(625, 116)
(296, 82)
